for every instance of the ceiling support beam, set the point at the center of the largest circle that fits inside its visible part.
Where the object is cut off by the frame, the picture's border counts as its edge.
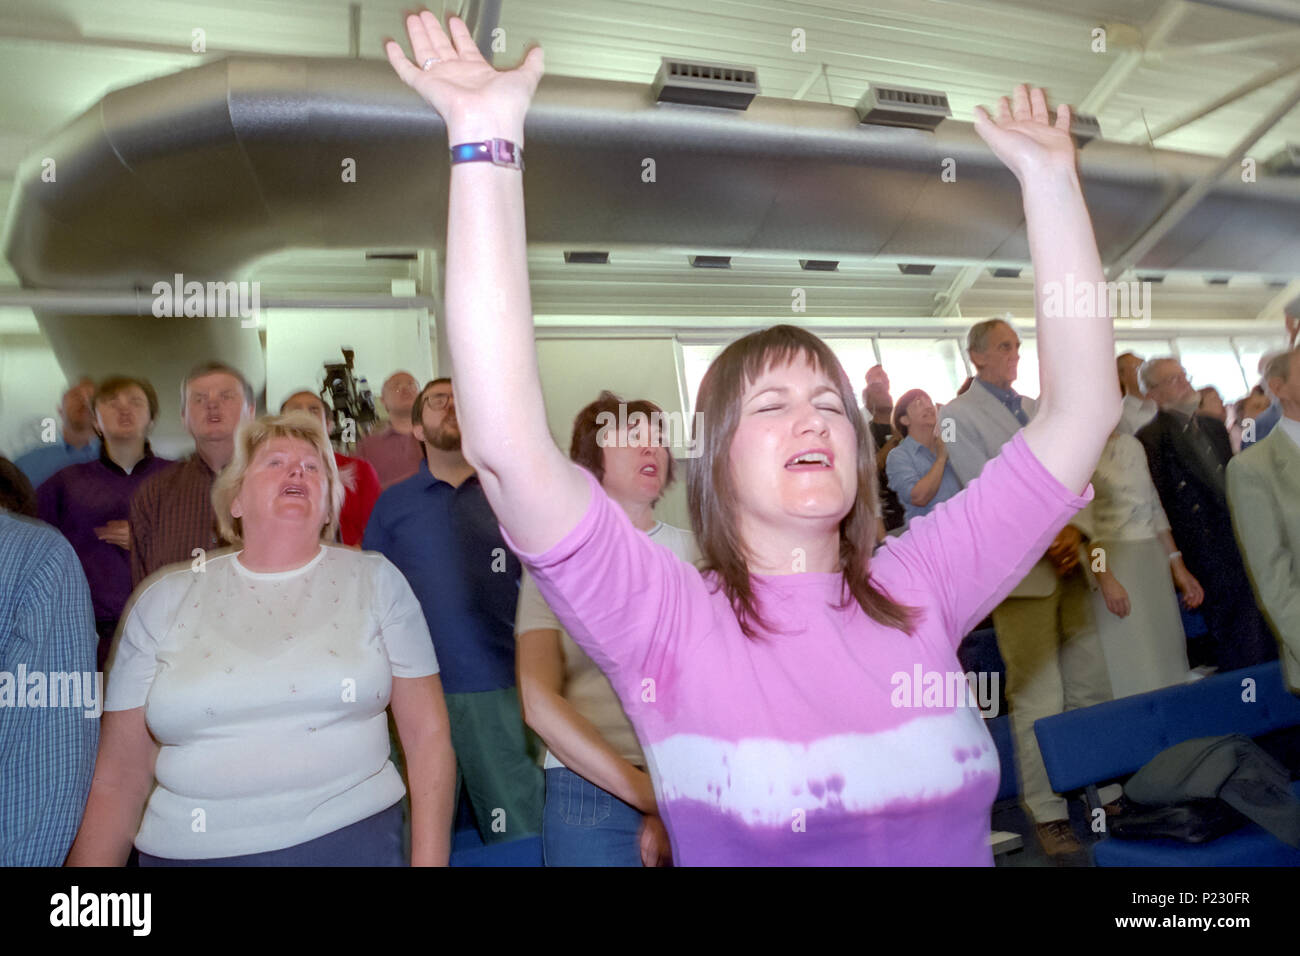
(1274, 9)
(1153, 33)
(946, 302)
(1245, 89)
(481, 18)
(140, 301)
(1221, 47)
(1277, 305)
(1184, 204)
(808, 82)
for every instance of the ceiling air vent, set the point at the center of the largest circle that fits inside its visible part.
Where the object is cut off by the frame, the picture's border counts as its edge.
(588, 258)
(1150, 277)
(711, 262)
(914, 269)
(819, 265)
(903, 106)
(1286, 162)
(400, 256)
(698, 83)
(1084, 128)
(1005, 273)
(1218, 280)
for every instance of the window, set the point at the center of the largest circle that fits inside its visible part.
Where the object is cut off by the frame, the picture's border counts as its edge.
(696, 360)
(1212, 361)
(1026, 382)
(856, 355)
(934, 365)
(1251, 349)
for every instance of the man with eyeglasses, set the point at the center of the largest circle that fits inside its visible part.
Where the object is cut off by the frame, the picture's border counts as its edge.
(439, 530)
(1188, 454)
(171, 513)
(394, 451)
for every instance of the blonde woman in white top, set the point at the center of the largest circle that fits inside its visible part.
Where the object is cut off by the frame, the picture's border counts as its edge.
(1137, 569)
(600, 805)
(245, 711)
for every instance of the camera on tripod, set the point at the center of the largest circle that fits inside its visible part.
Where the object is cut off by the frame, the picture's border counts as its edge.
(349, 398)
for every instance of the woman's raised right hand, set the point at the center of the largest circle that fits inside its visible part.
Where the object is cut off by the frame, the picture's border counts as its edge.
(475, 99)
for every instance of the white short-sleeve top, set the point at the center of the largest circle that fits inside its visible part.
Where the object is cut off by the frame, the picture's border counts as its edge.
(1126, 506)
(267, 693)
(586, 689)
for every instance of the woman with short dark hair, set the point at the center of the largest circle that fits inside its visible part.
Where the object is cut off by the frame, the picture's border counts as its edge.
(600, 803)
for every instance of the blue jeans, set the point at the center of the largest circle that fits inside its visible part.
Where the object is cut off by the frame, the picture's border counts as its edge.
(583, 825)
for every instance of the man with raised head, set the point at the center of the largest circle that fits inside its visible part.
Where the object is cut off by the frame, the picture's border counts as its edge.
(439, 530)
(77, 443)
(1264, 497)
(394, 451)
(1188, 454)
(171, 513)
(1045, 629)
(1268, 419)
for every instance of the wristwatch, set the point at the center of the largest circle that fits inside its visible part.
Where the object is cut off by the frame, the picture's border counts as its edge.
(498, 152)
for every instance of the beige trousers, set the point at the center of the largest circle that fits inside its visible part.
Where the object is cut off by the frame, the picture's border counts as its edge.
(1054, 663)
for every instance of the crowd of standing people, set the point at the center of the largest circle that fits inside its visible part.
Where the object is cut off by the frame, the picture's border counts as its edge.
(717, 696)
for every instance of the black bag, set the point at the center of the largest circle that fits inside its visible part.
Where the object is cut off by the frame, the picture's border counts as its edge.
(1195, 821)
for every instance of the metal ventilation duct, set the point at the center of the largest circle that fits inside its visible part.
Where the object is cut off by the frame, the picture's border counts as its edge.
(203, 171)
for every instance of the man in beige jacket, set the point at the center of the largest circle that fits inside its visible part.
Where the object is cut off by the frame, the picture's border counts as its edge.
(1045, 628)
(1263, 484)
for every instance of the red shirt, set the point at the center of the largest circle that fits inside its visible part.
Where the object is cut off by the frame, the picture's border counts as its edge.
(360, 494)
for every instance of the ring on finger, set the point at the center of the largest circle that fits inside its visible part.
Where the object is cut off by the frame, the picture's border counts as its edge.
(429, 62)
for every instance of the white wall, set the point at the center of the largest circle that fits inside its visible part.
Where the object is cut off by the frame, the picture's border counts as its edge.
(299, 342)
(575, 370)
(31, 386)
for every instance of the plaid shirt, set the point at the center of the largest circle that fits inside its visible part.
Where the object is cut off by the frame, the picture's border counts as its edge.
(47, 754)
(171, 515)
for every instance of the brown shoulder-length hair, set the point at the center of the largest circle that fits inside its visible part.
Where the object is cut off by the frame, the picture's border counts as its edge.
(711, 489)
(593, 422)
(900, 409)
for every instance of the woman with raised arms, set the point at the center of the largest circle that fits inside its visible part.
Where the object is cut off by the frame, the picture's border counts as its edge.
(763, 687)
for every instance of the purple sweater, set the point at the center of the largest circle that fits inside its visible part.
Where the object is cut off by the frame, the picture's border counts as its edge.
(806, 745)
(80, 498)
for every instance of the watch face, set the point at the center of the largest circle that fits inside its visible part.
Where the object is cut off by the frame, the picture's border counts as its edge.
(505, 152)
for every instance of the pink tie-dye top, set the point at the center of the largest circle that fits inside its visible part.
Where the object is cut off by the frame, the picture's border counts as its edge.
(808, 744)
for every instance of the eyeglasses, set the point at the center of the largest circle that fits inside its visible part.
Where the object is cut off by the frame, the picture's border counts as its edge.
(1173, 380)
(438, 402)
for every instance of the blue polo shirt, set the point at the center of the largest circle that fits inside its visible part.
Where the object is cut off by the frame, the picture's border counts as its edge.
(906, 465)
(1008, 397)
(447, 543)
(46, 460)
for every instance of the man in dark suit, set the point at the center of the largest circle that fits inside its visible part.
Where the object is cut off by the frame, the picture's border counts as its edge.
(1188, 454)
